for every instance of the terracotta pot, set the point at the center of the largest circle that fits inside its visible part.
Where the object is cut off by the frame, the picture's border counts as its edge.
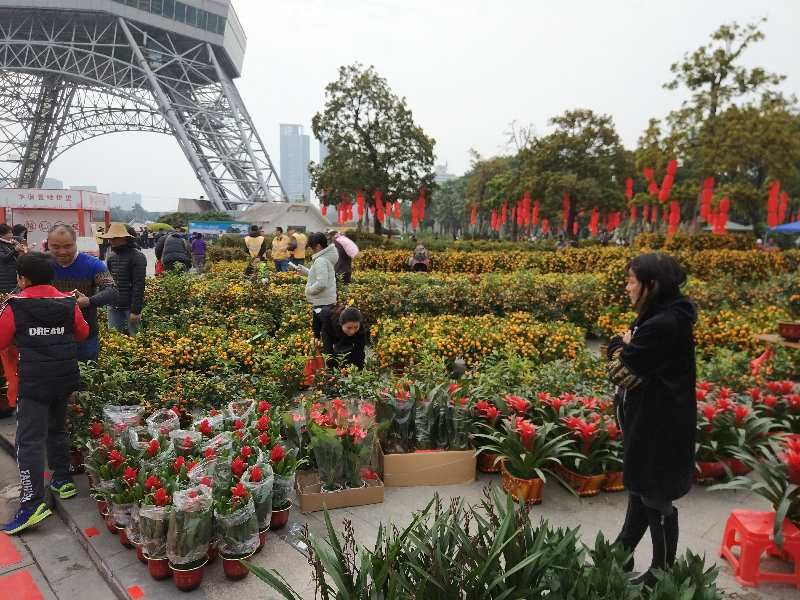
(159, 568)
(737, 467)
(527, 490)
(233, 567)
(262, 539)
(123, 536)
(789, 330)
(102, 507)
(76, 461)
(213, 553)
(279, 518)
(110, 525)
(140, 554)
(706, 472)
(613, 482)
(187, 580)
(584, 485)
(486, 462)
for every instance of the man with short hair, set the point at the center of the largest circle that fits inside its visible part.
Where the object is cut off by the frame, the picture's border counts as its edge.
(86, 276)
(280, 251)
(128, 266)
(297, 247)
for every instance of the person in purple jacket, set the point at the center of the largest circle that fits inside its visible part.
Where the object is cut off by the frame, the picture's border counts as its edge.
(198, 252)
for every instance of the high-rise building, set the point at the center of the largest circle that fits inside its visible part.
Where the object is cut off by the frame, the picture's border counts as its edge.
(125, 200)
(295, 158)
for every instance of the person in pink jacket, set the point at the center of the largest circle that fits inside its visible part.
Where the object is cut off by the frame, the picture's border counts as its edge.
(347, 251)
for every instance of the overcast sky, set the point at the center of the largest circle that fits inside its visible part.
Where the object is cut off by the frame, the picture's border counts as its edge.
(467, 67)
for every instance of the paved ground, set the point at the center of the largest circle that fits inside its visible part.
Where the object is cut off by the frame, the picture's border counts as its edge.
(58, 554)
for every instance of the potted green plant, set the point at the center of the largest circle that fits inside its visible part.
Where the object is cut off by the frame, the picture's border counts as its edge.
(284, 466)
(237, 525)
(259, 479)
(528, 453)
(585, 469)
(153, 524)
(191, 526)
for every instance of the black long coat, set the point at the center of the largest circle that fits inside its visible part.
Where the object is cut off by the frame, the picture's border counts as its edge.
(659, 416)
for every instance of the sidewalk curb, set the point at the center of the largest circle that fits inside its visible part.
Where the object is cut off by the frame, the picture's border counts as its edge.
(119, 590)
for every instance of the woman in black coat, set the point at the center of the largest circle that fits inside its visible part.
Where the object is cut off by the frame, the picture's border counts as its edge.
(344, 337)
(653, 365)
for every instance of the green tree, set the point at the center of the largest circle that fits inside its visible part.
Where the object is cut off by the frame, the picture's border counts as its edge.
(449, 206)
(373, 141)
(583, 158)
(483, 182)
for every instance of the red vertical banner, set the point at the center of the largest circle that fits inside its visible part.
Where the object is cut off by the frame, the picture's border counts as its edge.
(378, 197)
(473, 217)
(564, 211)
(772, 204)
(783, 206)
(545, 226)
(652, 188)
(646, 213)
(706, 198)
(526, 208)
(323, 209)
(504, 213)
(594, 222)
(360, 201)
(629, 188)
(633, 212)
(654, 214)
(535, 214)
(575, 227)
(674, 217)
(722, 216)
(414, 214)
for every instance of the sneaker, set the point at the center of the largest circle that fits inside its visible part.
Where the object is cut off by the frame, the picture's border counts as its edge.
(64, 489)
(27, 517)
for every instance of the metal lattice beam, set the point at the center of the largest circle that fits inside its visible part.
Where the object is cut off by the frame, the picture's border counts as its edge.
(68, 77)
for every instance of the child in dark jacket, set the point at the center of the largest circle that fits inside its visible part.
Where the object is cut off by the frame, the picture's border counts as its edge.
(45, 325)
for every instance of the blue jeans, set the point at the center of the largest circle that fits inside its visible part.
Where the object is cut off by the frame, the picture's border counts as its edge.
(282, 266)
(119, 319)
(89, 349)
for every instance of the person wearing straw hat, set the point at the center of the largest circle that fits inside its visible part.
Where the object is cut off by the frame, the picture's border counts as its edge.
(128, 266)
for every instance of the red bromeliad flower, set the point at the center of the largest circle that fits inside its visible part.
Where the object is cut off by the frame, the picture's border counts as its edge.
(452, 389)
(238, 424)
(755, 394)
(96, 429)
(706, 385)
(724, 403)
(709, 411)
(587, 432)
(793, 444)
(491, 413)
(213, 412)
(191, 466)
(794, 401)
(263, 423)
(207, 481)
(238, 466)
(277, 454)
(775, 387)
(239, 433)
(792, 460)
(129, 475)
(264, 406)
(368, 410)
(787, 387)
(741, 411)
(161, 498)
(357, 433)
(613, 430)
(402, 395)
(210, 453)
(264, 440)
(115, 459)
(769, 400)
(700, 395)
(187, 443)
(255, 474)
(152, 482)
(153, 448)
(107, 441)
(526, 431)
(192, 494)
(238, 492)
(205, 428)
(517, 403)
(246, 452)
(178, 464)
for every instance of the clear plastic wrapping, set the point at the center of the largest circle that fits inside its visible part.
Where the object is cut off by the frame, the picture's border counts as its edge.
(121, 514)
(161, 422)
(243, 410)
(133, 529)
(119, 418)
(153, 525)
(238, 531)
(191, 526)
(261, 491)
(281, 491)
(186, 443)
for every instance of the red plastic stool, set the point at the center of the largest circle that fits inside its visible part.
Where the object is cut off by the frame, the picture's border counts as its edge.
(752, 532)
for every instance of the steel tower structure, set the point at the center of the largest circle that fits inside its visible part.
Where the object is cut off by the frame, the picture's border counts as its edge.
(72, 70)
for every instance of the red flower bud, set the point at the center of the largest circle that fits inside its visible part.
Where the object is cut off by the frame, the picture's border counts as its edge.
(277, 454)
(96, 429)
(255, 474)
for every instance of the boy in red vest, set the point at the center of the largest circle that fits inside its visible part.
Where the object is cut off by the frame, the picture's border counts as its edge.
(45, 325)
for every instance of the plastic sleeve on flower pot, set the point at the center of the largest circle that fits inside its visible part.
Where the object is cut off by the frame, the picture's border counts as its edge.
(153, 525)
(121, 513)
(262, 493)
(185, 442)
(133, 527)
(281, 490)
(119, 418)
(191, 525)
(238, 531)
(163, 421)
(241, 409)
(328, 454)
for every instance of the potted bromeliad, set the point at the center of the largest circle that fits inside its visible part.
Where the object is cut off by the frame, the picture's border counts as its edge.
(153, 525)
(527, 453)
(284, 466)
(237, 526)
(191, 527)
(591, 438)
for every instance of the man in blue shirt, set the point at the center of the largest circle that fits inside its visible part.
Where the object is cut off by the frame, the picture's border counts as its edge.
(87, 277)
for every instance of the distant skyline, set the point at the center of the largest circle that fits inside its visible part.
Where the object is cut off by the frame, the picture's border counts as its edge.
(467, 68)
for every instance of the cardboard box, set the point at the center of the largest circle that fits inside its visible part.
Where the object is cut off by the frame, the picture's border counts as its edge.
(312, 499)
(428, 467)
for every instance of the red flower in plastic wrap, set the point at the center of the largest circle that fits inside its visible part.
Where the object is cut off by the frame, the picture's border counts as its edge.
(246, 452)
(205, 428)
(115, 459)
(152, 482)
(161, 497)
(264, 440)
(263, 423)
(187, 443)
(238, 424)
(153, 448)
(453, 388)
(107, 441)
(255, 474)
(207, 481)
(96, 429)
(129, 475)
(368, 410)
(177, 465)
(238, 466)
(209, 453)
(277, 454)
(264, 406)
(238, 492)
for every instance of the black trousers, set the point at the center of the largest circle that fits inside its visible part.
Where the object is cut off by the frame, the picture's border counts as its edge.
(318, 314)
(41, 434)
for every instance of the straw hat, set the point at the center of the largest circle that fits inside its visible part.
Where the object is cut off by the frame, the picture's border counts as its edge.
(117, 230)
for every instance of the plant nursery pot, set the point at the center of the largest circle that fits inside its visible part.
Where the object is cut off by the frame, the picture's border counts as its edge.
(233, 567)
(789, 330)
(123, 536)
(486, 462)
(279, 518)
(187, 580)
(584, 485)
(110, 525)
(76, 460)
(527, 490)
(613, 482)
(262, 539)
(708, 471)
(102, 507)
(159, 568)
(140, 554)
(737, 467)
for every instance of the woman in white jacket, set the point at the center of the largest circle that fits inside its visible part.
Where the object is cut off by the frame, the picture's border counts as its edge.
(321, 284)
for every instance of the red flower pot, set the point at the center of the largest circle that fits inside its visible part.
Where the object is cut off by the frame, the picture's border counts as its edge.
(279, 518)
(102, 507)
(159, 568)
(613, 482)
(487, 464)
(262, 539)
(123, 536)
(737, 467)
(706, 472)
(140, 554)
(187, 580)
(789, 330)
(110, 525)
(233, 567)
